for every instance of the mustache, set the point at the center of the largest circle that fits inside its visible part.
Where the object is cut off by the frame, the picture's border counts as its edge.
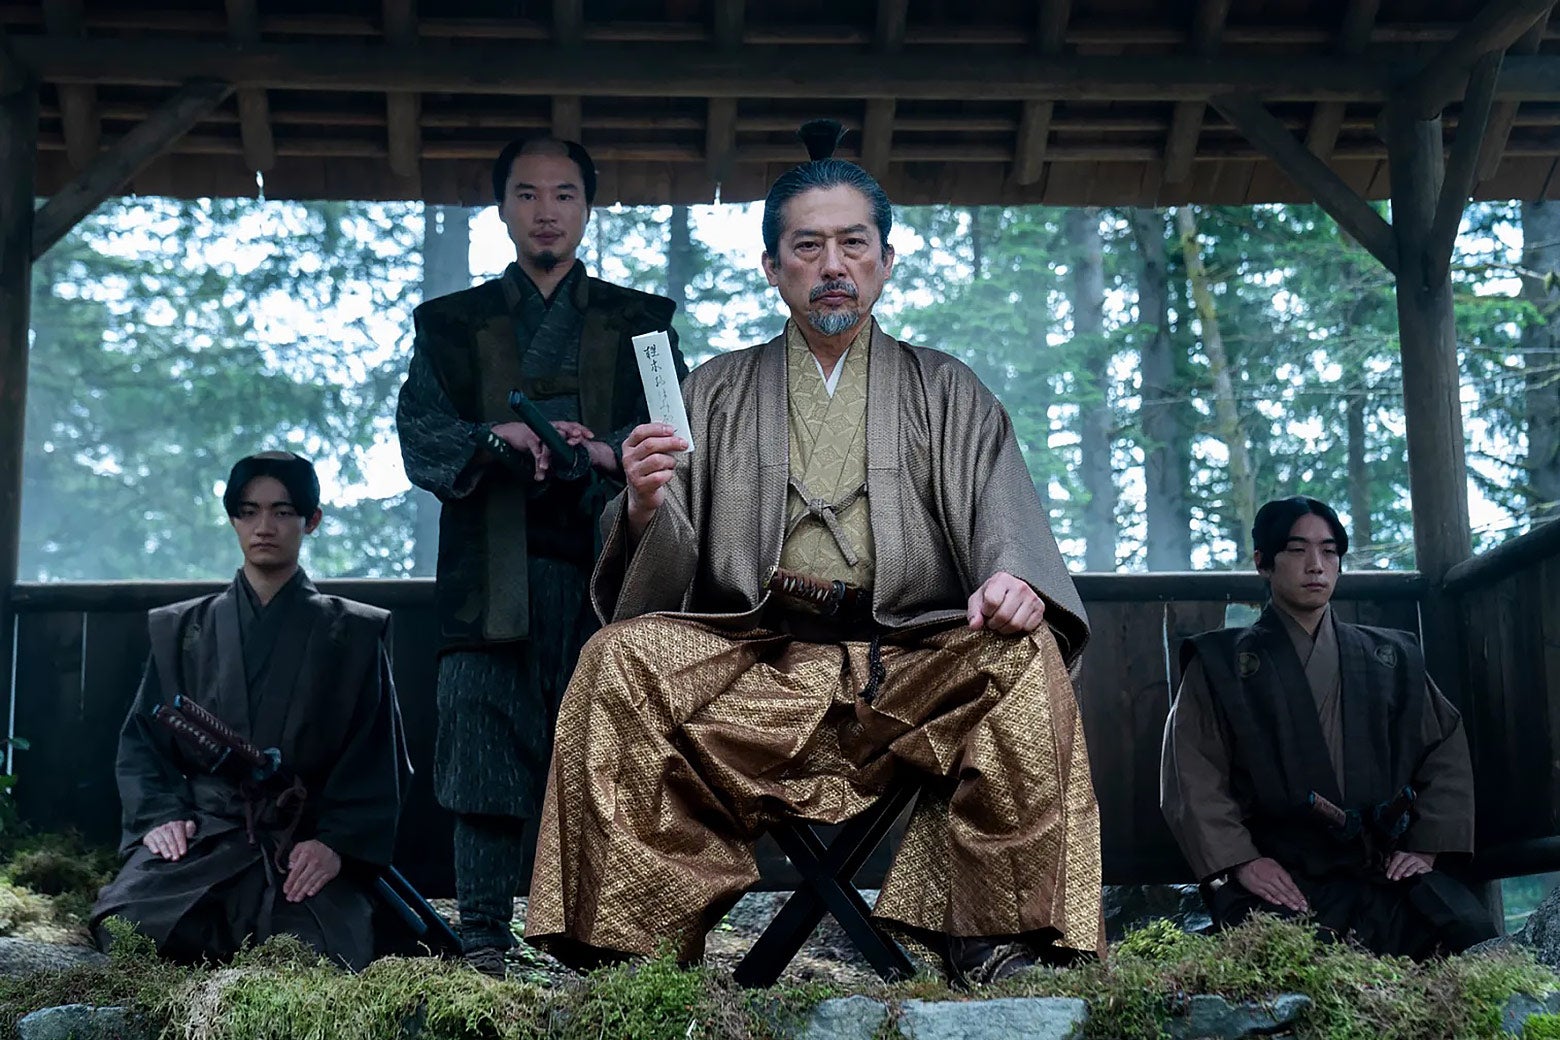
(841, 286)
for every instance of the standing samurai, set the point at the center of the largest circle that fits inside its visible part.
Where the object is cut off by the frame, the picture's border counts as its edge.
(515, 544)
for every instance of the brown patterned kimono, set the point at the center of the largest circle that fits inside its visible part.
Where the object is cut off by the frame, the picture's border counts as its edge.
(708, 710)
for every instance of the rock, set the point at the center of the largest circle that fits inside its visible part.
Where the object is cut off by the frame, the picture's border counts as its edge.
(21, 956)
(1217, 1018)
(81, 1022)
(1542, 931)
(1035, 1018)
(848, 1018)
(755, 909)
(1522, 1007)
(1130, 907)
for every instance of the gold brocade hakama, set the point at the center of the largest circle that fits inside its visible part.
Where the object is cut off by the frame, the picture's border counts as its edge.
(678, 743)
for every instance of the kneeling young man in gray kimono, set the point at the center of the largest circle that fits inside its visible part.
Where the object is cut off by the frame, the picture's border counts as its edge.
(1311, 766)
(215, 858)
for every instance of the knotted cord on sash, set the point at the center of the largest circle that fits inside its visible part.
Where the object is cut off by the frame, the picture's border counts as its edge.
(814, 506)
(876, 673)
(288, 804)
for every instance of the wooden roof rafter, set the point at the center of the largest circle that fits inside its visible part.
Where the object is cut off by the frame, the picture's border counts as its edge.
(679, 99)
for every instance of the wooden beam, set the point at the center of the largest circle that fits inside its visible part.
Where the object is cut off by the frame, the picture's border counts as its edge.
(18, 135)
(604, 70)
(1497, 26)
(877, 125)
(720, 122)
(893, 19)
(79, 117)
(568, 27)
(730, 15)
(254, 108)
(568, 21)
(128, 156)
(1432, 407)
(566, 123)
(720, 138)
(403, 109)
(698, 71)
(1504, 115)
(877, 134)
(1187, 119)
(1353, 36)
(1463, 165)
(1034, 119)
(1341, 202)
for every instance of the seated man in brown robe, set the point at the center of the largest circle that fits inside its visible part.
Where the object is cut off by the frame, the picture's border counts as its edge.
(714, 704)
(215, 858)
(1311, 767)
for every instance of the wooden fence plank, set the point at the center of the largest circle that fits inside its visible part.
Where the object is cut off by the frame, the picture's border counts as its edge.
(48, 684)
(423, 842)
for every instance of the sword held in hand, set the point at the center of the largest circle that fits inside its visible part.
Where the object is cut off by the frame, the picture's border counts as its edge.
(571, 462)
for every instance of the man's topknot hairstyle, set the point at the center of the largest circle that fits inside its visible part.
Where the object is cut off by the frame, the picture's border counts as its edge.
(822, 136)
(1270, 530)
(544, 145)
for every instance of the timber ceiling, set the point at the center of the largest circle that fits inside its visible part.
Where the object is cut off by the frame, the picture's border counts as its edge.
(1088, 102)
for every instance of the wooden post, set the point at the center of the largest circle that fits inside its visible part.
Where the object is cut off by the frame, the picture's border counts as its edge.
(18, 152)
(1437, 464)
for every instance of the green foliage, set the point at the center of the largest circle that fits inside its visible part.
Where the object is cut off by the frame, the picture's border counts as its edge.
(63, 868)
(1541, 1027)
(1353, 993)
(20, 908)
(134, 977)
(282, 991)
(286, 324)
(655, 1000)
(1158, 942)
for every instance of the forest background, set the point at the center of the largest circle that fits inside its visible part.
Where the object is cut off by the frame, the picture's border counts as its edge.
(1166, 370)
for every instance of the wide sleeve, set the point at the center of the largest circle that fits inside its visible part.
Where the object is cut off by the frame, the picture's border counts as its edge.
(437, 445)
(153, 790)
(360, 804)
(1006, 524)
(1194, 783)
(657, 573)
(1443, 782)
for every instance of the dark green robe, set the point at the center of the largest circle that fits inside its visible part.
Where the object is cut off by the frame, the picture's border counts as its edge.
(309, 675)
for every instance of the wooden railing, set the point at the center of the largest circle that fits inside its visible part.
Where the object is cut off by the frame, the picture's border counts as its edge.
(81, 649)
(1508, 605)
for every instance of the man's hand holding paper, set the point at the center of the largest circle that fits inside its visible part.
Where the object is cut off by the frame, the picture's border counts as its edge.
(649, 457)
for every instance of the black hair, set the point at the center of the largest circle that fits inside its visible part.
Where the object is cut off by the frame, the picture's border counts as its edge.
(538, 146)
(295, 473)
(1270, 530)
(823, 171)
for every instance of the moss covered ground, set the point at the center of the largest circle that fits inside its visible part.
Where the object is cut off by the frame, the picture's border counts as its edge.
(281, 991)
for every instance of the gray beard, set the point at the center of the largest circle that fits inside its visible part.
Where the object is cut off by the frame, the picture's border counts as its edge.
(832, 323)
